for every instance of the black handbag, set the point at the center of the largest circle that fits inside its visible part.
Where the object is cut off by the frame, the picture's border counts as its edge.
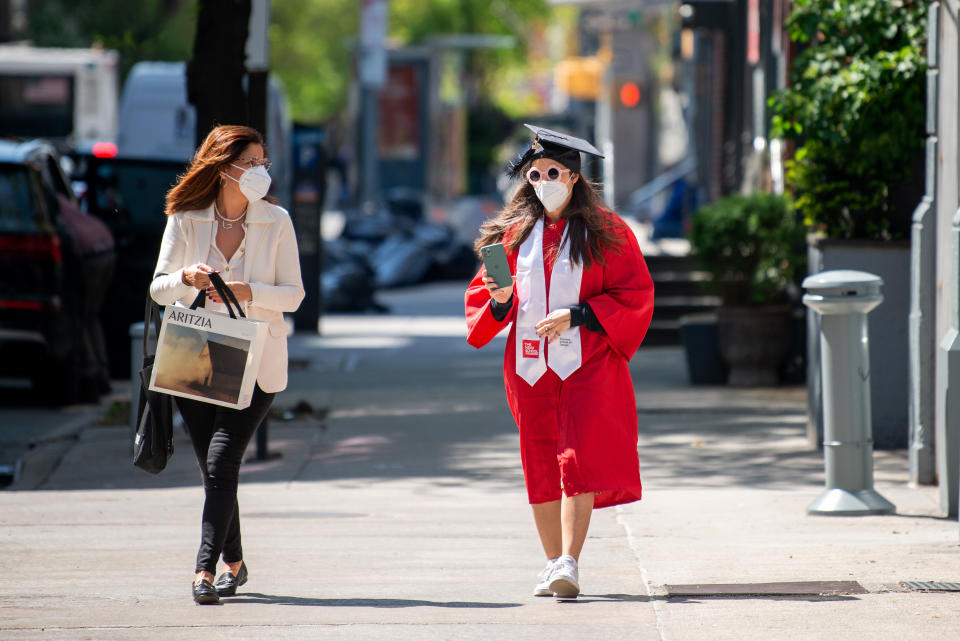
(153, 442)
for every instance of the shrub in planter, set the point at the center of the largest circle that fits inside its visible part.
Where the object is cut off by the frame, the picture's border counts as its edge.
(752, 246)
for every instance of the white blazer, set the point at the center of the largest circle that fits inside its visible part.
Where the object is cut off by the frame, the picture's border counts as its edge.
(271, 267)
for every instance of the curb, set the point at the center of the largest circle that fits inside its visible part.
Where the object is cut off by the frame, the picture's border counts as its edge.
(43, 455)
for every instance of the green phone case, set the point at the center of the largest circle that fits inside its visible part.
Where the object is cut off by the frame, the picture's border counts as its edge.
(495, 260)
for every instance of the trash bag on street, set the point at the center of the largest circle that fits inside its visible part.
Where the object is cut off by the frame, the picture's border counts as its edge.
(457, 261)
(374, 227)
(430, 251)
(405, 202)
(401, 260)
(347, 281)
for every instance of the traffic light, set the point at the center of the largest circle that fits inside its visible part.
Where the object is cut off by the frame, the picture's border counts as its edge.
(630, 94)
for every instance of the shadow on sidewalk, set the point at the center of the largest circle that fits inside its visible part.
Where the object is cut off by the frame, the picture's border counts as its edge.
(270, 599)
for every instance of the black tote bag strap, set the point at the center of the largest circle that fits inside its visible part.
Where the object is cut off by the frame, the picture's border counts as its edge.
(226, 295)
(147, 319)
(151, 313)
(199, 300)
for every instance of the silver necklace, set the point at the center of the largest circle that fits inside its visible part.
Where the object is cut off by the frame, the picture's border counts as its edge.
(227, 223)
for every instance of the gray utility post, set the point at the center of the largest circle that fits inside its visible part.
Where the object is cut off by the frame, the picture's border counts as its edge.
(923, 345)
(843, 298)
(948, 397)
(258, 68)
(373, 75)
(923, 287)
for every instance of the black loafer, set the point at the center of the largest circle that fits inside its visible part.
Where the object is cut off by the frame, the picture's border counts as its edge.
(227, 583)
(204, 593)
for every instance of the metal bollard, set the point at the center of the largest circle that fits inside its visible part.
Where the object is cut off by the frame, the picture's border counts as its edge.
(263, 452)
(843, 298)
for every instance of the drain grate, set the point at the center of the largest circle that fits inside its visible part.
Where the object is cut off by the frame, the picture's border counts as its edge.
(931, 586)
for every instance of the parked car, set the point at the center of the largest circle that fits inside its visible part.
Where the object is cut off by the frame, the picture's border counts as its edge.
(128, 195)
(55, 264)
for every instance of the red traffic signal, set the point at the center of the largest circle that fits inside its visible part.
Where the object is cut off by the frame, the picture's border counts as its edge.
(630, 94)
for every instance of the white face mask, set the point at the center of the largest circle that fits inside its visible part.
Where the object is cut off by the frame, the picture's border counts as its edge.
(552, 193)
(254, 183)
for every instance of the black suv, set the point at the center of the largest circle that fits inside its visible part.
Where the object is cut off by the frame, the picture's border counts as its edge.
(56, 263)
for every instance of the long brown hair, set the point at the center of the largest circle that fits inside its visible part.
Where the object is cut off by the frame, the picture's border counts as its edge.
(590, 229)
(200, 184)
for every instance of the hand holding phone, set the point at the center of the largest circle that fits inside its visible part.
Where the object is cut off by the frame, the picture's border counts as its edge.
(499, 280)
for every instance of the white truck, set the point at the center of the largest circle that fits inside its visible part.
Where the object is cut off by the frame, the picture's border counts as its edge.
(68, 96)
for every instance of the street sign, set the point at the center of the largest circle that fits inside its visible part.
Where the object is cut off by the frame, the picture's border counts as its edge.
(373, 33)
(258, 42)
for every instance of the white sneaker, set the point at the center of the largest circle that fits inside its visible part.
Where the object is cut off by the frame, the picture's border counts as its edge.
(543, 579)
(565, 580)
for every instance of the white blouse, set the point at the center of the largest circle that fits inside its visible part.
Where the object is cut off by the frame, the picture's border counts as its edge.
(230, 270)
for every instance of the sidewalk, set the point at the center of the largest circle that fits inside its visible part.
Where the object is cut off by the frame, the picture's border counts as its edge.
(397, 511)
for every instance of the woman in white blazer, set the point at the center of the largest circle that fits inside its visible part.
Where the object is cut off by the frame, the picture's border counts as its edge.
(220, 218)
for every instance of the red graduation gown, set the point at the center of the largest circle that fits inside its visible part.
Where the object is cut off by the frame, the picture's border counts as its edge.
(579, 434)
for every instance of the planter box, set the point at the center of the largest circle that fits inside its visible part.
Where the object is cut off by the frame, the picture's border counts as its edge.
(889, 336)
(754, 342)
(705, 366)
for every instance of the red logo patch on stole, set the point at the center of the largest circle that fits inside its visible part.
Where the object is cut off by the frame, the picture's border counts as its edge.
(531, 349)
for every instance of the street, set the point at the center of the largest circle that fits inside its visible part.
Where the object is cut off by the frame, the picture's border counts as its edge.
(397, 511)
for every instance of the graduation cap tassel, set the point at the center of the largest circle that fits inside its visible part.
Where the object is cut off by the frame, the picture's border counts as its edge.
(516, 165)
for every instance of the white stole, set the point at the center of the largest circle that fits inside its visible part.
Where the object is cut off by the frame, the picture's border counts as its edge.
(564, 353)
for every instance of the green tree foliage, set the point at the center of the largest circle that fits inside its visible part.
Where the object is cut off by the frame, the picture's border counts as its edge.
(138, 30)
(311, 49)
(751, 245)
(312, 41)
(856, 105)
(414, 21)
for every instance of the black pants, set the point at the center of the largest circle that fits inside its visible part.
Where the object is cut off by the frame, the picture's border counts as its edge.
(220, 436)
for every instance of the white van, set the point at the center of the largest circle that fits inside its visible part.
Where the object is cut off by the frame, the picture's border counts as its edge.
(68, 96)
(157, 123)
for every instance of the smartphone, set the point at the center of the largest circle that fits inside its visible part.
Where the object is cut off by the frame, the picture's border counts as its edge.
(495, 260)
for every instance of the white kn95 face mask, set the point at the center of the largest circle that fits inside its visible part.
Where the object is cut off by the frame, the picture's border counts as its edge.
(552, 193)
(254, 183)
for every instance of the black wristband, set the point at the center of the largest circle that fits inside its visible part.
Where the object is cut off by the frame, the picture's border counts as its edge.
(500, 310)
(582, 314)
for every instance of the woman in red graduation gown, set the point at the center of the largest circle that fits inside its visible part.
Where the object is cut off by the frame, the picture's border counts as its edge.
(580, 305)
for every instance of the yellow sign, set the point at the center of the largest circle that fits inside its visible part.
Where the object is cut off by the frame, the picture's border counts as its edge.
(580, 78)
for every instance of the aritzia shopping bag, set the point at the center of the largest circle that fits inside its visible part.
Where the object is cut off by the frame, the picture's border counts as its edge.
(209, 356)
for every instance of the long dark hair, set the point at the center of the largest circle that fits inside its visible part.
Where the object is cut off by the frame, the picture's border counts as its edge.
(590, 228)
(199, 186)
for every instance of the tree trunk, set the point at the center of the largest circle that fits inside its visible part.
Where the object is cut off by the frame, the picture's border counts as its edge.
(215, 74)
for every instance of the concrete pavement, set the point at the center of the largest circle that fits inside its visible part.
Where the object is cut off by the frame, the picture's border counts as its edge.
(27, 425)
(397, 510)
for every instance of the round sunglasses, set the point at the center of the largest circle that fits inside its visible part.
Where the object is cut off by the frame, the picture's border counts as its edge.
(553, 172)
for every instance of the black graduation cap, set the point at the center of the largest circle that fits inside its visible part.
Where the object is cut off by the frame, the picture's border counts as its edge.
(554, 145)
